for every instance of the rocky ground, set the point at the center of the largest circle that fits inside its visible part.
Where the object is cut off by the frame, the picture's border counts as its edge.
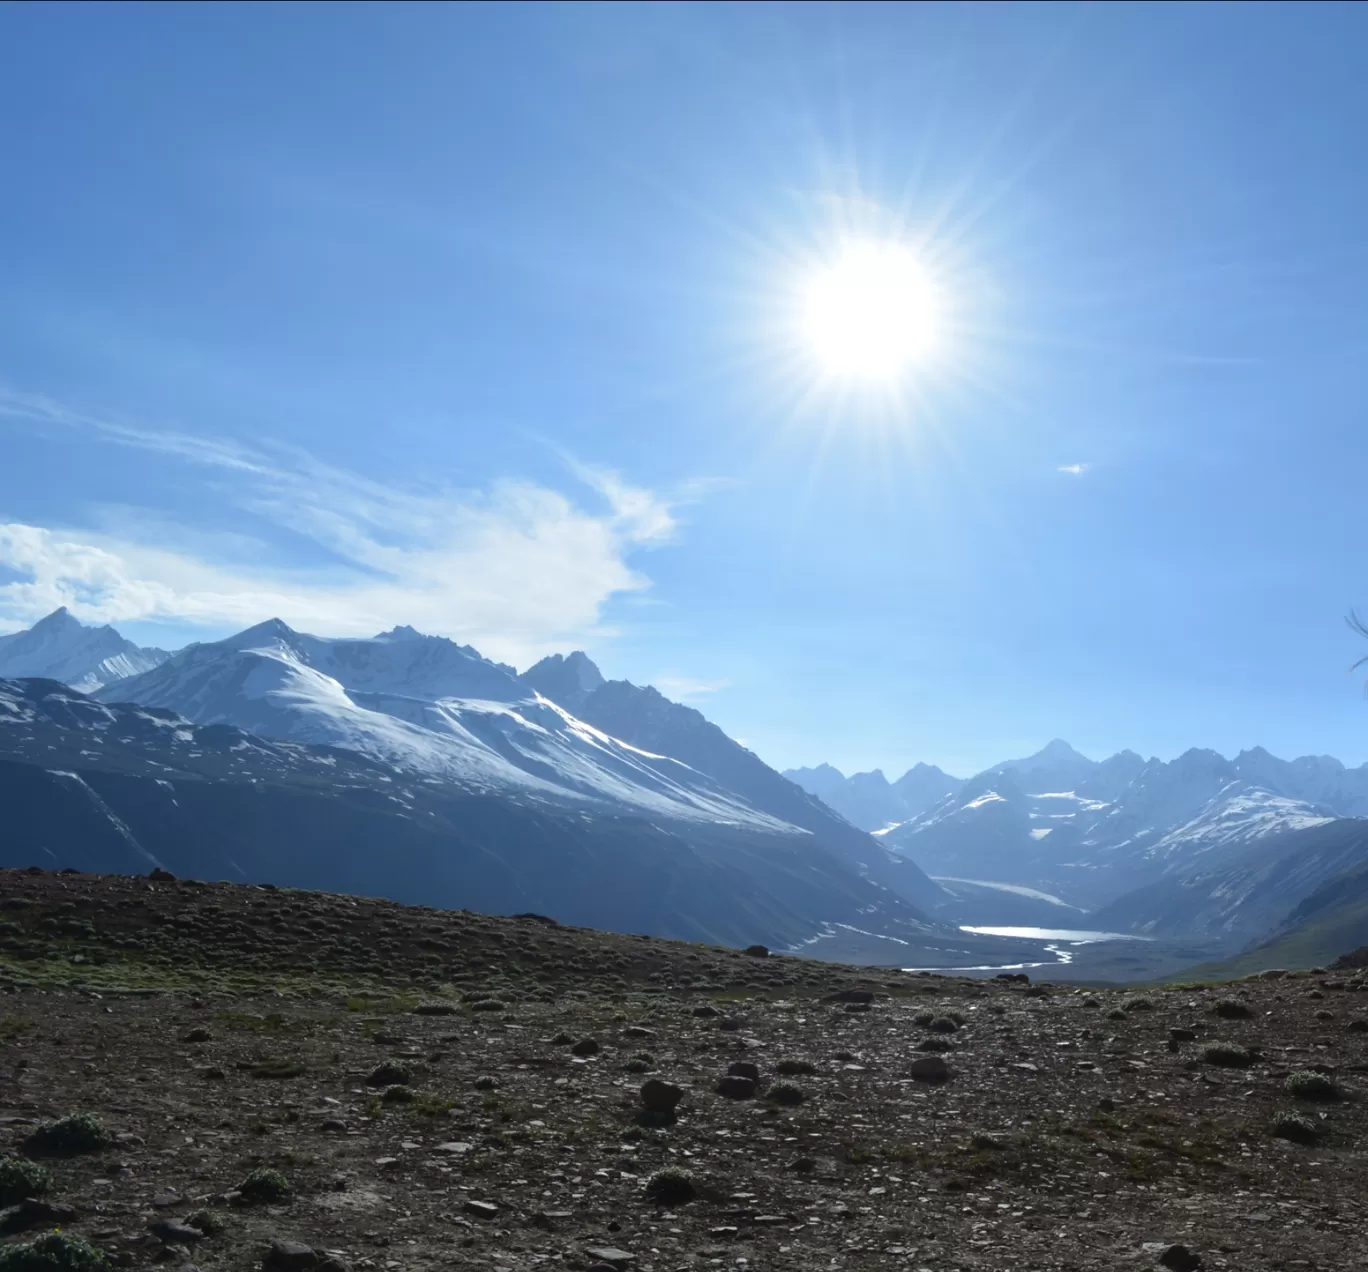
(435, 1090)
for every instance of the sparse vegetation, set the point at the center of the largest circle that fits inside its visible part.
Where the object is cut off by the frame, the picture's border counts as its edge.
(1225, 1056)
(53, 1252)
(1231, 1009)
(264, 1187)
(1306, 1084)
(20, 1178)
(389, 1074)
(671, 1187)
(794, 1066)
(70, 1136)
(785, 1093)
(1294, 1127)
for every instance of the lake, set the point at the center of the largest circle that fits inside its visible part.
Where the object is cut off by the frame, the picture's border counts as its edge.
(1071, 935)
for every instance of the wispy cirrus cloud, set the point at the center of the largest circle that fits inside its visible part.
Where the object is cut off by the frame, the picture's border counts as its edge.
(687, 688)
(516, 568)
(1074, 470)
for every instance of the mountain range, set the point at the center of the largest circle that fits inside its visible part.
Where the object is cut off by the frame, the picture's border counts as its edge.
(61, 647)
(411, 766)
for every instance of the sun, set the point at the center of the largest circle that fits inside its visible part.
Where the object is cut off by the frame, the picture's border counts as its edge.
(871, 312)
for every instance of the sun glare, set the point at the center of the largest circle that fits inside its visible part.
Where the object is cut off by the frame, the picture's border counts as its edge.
(871, 312)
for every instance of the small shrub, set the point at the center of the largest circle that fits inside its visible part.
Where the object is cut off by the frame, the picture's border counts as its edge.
(53, 1252)
(1225, 1056)
(923, 1018)
(795, 1067)
(489, 1004)
(20, 1179)
(70, 1136)
(1306, 1084)
(389, 1074)
(1138, 1004)
(486, 1082)
(1231, 1009)
(562, 1040)
(636, 1065)
(786, 1093)
(935, 1045)
(943, 1025)
(398, 1095)
(671, 1187)
(264, 1186)
(1294, 1127)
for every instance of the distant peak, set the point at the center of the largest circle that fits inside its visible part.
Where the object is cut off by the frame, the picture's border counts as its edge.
(586, 672)
(1058, 746)
(403, 632)
(60, 619)
(271, 629)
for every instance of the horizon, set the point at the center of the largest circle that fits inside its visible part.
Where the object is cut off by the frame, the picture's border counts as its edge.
(1051, 744)
(893, 385)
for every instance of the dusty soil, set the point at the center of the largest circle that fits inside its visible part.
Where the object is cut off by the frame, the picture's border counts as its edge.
(1073, 1132)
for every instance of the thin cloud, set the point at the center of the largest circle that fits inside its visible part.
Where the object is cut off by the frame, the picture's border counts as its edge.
(1074, 470)
(516, 568)
(687, 688)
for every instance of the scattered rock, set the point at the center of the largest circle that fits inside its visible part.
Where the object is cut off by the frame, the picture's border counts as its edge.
(585, 1047)
(705, 1012)
(480, 1209)
(1178, 1258)
(32, 1213)
(660, 1097)
(199, 1034)
(757, 951)
(290, 1256)
(930, 1069)
(169, 1232)
(735, 1087)
(744, 1069)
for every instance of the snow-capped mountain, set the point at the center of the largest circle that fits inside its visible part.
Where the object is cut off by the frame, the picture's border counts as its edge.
(1092, 844)
(869, 800)
(61, 647)
(432, 709)
(123, 787)
(425, 705)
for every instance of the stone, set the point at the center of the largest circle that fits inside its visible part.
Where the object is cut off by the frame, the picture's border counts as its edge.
(705, 1012)
(290, 1256)
(1178, 1258)
(453, 1148)
(161, 876)
(757, 951)
(32, 1213)
(435, 1009)
(930, 1069)
(852, 996)
(660, 1097)
(585, 1047)
(612, 1256)
(1183, 1035)
(169, 1232)
(480, 1209)
(334, 1125)
(736, 1088)
(638, 1031)
(198, 1034)
(744, 1069)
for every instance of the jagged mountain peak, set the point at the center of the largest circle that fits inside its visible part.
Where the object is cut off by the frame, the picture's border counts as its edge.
(61, 647)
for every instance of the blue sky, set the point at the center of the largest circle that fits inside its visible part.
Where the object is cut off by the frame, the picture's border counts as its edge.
(482, 319)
